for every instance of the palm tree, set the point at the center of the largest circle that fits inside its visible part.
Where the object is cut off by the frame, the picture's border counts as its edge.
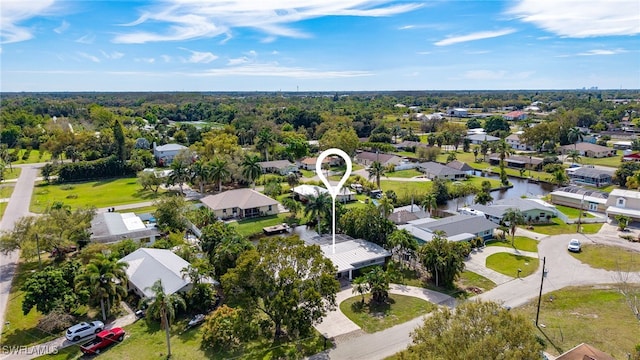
(376, 170)
(513, 217)
(292, 205)
(163, 307)
(292, 179)
(360, 286)
(266, 140)
(574, 155)
(378, 280)
(179, 174)
(319, 207)
(251, 168)
(199, 174)
(574, 135)
(559, 177)
(105, 279)
(402, 242)
(504, 150)
(430, 202)
(219, 171)
(385, 205)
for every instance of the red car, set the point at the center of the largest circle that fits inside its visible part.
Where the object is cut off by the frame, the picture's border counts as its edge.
(103, 339)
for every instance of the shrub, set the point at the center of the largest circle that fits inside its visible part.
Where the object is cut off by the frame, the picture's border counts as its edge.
(56, 321)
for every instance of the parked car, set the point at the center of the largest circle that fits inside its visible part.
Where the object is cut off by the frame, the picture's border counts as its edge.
(78, 331)
(104, 339)
(574, 245)
(197, 320)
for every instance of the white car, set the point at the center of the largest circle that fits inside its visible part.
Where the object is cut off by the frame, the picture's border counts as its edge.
(574, 245)
(78, 331)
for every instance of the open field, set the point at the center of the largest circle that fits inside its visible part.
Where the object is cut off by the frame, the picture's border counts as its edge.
(508, 264)
(407, 188)
(595, 315)
(102, 193)
(609, 258)
(254, 226)
(520, 242)
(373, 318)
(35, 156)
(409, 173)
(613, 161)
(558, 227)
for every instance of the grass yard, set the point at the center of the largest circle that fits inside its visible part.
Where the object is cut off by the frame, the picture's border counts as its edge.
(307, 173)
(520, 242)
(397, 310)
(102, 193)
(613, 161)
(35, 156)
(409, 173)
(573, 213)
(407, 188)
(466, 280)
(597, 315)
(12, 173)
(140, 210)
(254, 226)
(508, 264)
(557, 226)
(470, 279)
(3, 207)
(5, 191)
(187, 345)
(609, 258)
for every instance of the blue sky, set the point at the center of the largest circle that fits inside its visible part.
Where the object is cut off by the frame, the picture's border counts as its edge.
(318, 45)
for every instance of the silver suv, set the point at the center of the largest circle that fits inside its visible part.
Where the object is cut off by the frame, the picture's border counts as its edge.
(78, 331)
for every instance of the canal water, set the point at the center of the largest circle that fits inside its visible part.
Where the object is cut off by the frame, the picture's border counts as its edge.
(521, 187)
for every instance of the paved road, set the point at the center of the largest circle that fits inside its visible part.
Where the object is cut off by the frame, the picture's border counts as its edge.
(17, 207)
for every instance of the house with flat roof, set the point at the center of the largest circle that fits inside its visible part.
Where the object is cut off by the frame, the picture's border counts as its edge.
(146, 266)
(458, 112)
(354, 254)
(588, 150)
(164, 154)
(517, 162)
(624, 202)
(434, 170)
(456, 228)
(533, 210)
(282, 167)
(110, 227)
(304, 191)
(367, 158)
(580, 198)
(241, 203)
(477, 139)
(590, 176)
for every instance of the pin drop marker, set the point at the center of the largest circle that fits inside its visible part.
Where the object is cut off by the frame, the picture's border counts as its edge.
(333, 191)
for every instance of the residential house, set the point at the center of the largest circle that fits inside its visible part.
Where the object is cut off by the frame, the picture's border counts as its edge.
(309, 163)
(241, 203)
(458, 112)
(580, 198)
(461, 166)
(590, 176)
(515, 115)
(517, 162)
(282, 167)
(624, 202)
(434, 170)
(478, 139)
(354, 254)
(402, 215)
(631, 157)
(584, 352)
(456, 228)
(623, 145)
(533, 210)
(514, 141)
(304, 191)
(146, 266)
(164, 154)
(409, 145)
(588, 150)
(109, 227)
(367, 158)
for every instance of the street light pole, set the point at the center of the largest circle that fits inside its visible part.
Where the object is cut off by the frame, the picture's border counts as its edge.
(544, 260)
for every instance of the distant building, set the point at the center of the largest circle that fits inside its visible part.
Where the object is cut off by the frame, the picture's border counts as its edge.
(590, 176)
(367, 158)
(461, 166)
(514, 141)
(623, 145)
(515, 115)
(112, 227)
(304, 191)
(456, 228)
(309, 163)
(354, 254)
(402, 215)
(241, 203)
(533, 210)
(631, 157)
(478, 139)
(434, 170)
(282, 167)
(164, 154)
(588, 150)
(584, 352)
(580, 198)
(458, 112)
(624, 202)
(518, 162)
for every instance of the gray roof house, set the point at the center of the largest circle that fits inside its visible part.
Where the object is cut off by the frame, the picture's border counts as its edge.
(534, 210)
(624, 202)
(112, 227)
(146, 266)
(456, 228)
(367, 158)
(577, 197)
(241, 203)
(462, 166)
(590, 176)
(479, 138)
(434, 170)
(164, 154)
(402, 215)
(354, 254)
(282, 167)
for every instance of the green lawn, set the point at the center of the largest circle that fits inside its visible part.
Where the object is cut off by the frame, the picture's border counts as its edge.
(140, 210)
(6, 191)
(613, 161)
(3, 207)
(595, 315)
(12, 173)
(470, 279)
(520, 242)
(34, 157)
(307, 173)
(409, 173)
(609, 258)
(573, 213)
(557, 226)
(407, 188)
(461, 290)
(508, 264)
(605, 189)
(254, 226)
(148, 342)
(103, 193)
(373, 318)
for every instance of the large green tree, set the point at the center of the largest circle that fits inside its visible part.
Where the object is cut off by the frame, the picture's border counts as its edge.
(251, 169)
(340, 137)
(444, 259)
(318, 207)
(106, 281)
(474, 330)
(170, 213)
(163, 307)
(376, 171)
(366, 223)
(219, 171)
(52, 288)
(504, 150)
(291, 283)
(512, 218)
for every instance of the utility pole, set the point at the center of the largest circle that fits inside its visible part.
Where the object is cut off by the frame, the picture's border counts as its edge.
(544, 271)
(580, 215)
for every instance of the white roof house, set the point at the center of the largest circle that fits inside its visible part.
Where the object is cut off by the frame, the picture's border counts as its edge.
(146, 266)
(624, 202)
(354, 254)
(112, 227)
(304, 191)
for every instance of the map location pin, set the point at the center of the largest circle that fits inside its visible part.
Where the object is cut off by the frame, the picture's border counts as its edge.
(333, 191)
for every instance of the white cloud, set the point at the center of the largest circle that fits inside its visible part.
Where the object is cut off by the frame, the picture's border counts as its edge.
(238, 61)
(474, 36)
(62, 28)
(279, 71)
(200, 57)
(88, 56)
(581, 18)
(14, 12)
(145, 60)
(112, 55)
(424, 52)
(191, 19)
(86, 39)
(602, 52)
(165, 58)
(406, 27)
